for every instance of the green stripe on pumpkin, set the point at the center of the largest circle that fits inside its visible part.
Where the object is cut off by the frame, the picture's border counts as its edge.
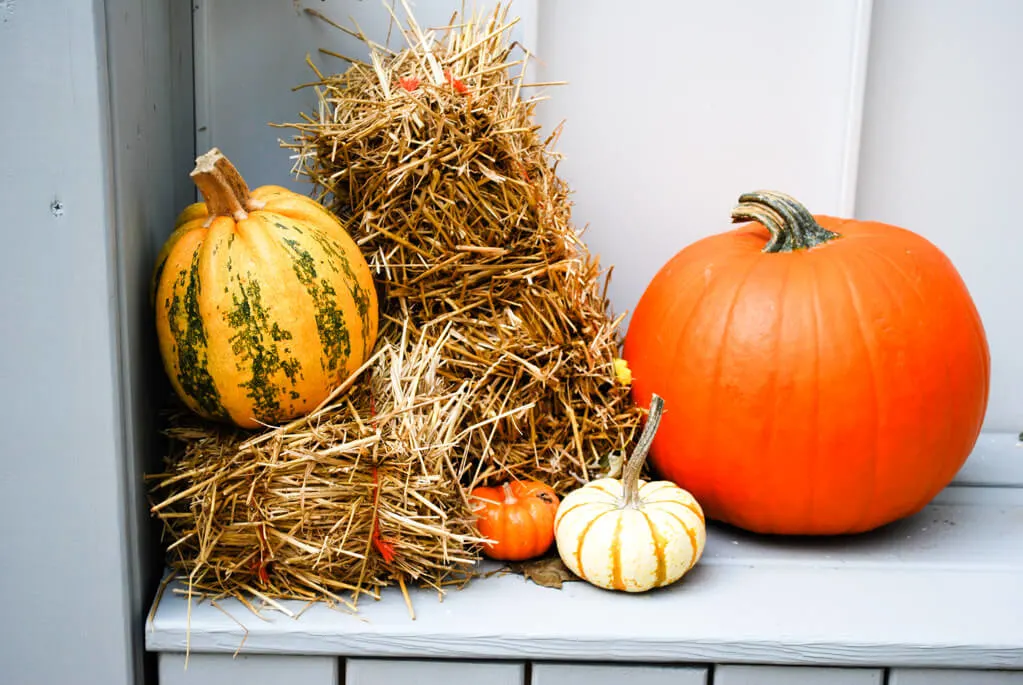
(186, 327)
(330, 317)
(358, 293)
(255, 342)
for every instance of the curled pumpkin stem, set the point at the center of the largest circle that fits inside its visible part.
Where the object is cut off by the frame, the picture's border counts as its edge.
(630, 477)
(792, 226)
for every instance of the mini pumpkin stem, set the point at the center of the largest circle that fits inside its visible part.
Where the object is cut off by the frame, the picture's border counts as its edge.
(630, 477)
(509, 496)
(223, 189)
(792, 226)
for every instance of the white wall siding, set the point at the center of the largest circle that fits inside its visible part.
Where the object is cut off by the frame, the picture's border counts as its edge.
(673, 109)
(942, 145)
(65, 571)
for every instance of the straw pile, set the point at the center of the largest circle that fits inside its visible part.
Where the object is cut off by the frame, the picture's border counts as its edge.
(344, 500)
(496, 357)
(454, 198)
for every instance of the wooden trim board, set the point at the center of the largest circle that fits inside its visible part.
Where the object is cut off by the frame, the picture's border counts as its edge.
(858, 66)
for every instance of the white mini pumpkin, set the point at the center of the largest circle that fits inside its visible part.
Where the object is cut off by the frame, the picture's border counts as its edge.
(629, 534)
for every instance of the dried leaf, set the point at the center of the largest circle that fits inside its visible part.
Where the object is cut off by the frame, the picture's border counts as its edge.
(548, 571)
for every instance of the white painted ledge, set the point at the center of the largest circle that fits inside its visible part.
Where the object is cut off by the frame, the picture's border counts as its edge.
(996, 460)
(943, 588)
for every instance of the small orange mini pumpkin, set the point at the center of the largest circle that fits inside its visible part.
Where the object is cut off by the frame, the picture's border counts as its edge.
(518, 516)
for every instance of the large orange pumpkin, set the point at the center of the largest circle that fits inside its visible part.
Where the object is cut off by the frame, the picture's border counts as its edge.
(264, 304)
(823, 375)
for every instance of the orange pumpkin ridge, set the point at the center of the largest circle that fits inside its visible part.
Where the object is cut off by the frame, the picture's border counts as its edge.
(826, 375)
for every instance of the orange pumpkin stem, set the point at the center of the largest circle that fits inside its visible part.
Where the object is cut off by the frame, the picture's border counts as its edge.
(630, 476)
(223, 189)
(792, 226)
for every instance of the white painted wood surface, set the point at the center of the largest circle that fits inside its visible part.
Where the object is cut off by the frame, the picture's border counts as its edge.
(609, 674)
(963, 528)
(866, 602)
(804, 675)
(930, 676)
(941, 148)
(997, 460)
(248, 669)
(388, 672)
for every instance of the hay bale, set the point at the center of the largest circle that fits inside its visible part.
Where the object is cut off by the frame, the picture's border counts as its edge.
(496, 351)
(339, 502)
(433, 154)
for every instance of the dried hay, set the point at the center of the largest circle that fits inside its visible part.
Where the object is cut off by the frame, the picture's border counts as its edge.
(496, 354)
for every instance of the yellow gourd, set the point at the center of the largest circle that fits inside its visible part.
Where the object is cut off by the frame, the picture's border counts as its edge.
(264, 304)
(628, 534)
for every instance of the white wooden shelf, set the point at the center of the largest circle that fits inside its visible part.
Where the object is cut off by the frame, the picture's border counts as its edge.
(943, 588)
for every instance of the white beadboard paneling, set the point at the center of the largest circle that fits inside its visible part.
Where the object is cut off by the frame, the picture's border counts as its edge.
(941, 145)
(798, 675)
(930, 676)
(225, 669)
(673, 109)
(387, 672)
(608, 674)
(250, 54)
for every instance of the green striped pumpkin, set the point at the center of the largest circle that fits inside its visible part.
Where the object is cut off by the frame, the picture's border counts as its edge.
(627, 534)
(263, 303)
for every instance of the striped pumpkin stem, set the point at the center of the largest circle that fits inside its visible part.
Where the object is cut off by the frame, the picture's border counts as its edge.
(223, 189)
(630, 477)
